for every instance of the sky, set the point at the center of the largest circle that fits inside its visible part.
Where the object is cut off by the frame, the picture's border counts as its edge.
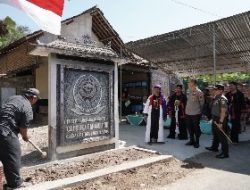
(138, 19)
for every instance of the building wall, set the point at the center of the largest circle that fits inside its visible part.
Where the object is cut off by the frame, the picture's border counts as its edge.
(42, 79)
(14, 85)
(17, 59)
(159, 77)
(74, 30)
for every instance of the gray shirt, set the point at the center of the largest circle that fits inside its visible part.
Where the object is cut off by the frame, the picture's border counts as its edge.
(16, 113)
(195, 102)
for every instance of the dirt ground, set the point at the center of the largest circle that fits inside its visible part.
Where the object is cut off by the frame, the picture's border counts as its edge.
(143, 178)
(73, 168)
(30, 156)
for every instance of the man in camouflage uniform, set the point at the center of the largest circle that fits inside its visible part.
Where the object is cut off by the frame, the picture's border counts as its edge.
(219, 116)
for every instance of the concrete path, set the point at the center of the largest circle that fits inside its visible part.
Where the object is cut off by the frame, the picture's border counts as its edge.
(227, 174)
(135, 136)
(211, 179)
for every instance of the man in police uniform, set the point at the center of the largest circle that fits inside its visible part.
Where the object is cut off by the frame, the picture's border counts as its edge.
(219, 115)
(15, 117)
(195, 102)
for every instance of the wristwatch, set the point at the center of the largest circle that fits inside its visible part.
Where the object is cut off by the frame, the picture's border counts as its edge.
(220, 122)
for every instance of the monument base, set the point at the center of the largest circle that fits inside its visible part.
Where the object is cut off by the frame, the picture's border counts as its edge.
(81, 149)
(86, 151)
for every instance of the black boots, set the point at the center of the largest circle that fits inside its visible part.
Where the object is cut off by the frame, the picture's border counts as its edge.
(222, 156)
(212, 149)
(197, 141)
(190, 143)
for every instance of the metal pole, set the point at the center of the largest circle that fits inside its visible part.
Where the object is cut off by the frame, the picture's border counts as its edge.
(120, 92)
(120, 87)
(214, 53)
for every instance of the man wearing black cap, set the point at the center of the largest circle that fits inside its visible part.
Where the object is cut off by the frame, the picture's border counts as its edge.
(15, 117)
(219, 125)
(236, 104)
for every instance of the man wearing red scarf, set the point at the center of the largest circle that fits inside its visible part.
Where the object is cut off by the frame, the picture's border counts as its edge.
(178, 99)
(155, 108)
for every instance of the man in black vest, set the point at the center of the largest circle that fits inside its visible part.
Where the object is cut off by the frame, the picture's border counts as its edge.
(236, 104)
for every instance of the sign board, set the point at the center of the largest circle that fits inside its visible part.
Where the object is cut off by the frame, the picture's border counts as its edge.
(85, 104)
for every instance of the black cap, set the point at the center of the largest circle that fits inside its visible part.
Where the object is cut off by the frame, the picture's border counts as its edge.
(32, 92)
(179, 86)
(219, 87)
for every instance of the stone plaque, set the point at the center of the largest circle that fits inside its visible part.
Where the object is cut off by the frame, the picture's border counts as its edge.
(86, 111)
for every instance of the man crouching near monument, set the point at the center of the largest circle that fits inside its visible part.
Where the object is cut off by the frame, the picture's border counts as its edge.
(15, 117)
(156, 110)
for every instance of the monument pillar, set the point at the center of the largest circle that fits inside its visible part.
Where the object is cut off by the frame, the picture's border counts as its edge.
(83, 97)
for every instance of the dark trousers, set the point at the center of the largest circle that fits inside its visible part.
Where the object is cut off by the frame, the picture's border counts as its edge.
(236, 127)
(182, 128)
(155, 116)
(193, 125)
(219, 137)
(10, 155)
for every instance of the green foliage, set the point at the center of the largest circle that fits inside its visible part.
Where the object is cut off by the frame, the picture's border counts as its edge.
(237, 76)
(3, 29)
(14, 32)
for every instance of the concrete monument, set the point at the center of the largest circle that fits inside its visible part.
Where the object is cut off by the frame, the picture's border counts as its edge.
(83, 97)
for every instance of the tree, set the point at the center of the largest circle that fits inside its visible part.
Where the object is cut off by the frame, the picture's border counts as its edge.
(11, 32)
(3, 29)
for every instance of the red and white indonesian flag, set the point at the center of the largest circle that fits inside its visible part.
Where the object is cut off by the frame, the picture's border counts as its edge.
(46, 13)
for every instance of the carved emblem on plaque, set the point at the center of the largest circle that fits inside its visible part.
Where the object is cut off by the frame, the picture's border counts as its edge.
(87, 93)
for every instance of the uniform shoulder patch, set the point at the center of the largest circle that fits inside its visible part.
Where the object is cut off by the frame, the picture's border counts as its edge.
(223, 101)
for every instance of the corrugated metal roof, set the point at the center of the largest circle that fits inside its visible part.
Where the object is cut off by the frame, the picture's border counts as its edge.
(190, 51)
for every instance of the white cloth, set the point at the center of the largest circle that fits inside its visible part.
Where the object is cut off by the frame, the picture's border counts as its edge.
(47, 14)
(148, 110)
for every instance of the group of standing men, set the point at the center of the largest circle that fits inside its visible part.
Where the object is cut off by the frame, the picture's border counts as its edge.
(186, 112)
